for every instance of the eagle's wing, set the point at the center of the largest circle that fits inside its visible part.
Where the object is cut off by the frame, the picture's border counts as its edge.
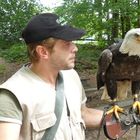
(103, 63)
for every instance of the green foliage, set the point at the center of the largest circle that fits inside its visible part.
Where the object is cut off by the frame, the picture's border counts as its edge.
(103, 20)
(16, 53)
(14, 15)
(87, 57)
(87, 52)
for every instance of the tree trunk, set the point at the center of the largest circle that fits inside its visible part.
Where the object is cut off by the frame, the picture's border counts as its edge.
(115, 19)
(122, 26)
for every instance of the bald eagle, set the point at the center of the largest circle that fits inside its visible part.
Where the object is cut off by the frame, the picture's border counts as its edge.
(121, 62)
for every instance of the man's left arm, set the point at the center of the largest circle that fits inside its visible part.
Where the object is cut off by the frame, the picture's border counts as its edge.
(92, 117)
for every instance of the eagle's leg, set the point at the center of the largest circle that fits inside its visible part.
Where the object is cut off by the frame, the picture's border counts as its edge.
(135, 91)
(115, 109)
(136, 104)
(112, 92)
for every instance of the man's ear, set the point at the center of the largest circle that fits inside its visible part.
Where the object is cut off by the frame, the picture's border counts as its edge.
(42, 52)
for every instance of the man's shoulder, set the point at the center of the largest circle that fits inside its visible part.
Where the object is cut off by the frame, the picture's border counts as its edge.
(70, 71)
(70, 74)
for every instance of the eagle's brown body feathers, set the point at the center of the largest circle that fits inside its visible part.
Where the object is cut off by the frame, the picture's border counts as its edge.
(124, 67)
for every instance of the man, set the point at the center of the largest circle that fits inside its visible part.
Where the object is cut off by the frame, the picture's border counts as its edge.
(27, 99)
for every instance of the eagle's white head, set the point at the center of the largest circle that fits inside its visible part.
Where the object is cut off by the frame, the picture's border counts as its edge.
(131, 43)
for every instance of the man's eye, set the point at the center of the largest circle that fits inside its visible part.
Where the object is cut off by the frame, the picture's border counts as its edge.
(67, 43)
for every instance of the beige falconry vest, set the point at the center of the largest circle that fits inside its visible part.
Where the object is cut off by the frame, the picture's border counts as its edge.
(37, 100)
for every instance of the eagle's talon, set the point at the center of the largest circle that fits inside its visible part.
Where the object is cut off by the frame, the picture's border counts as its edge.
(116, 110)
(136, 106)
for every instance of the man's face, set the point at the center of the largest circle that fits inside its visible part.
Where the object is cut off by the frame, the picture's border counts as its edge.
(63, 55)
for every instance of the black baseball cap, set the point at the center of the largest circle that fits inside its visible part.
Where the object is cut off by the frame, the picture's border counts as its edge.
(46, 25)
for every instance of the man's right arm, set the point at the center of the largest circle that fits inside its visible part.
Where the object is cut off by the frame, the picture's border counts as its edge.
(10, 116)
(9, 131)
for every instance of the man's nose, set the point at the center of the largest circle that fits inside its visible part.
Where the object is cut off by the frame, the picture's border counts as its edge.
(75, 48)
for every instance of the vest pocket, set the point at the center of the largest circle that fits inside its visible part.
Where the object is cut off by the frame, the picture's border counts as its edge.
(41, 123)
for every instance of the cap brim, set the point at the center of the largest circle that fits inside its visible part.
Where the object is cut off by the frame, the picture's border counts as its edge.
(68, 33)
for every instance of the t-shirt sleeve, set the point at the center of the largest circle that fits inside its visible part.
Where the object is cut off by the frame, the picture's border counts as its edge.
(10, 109)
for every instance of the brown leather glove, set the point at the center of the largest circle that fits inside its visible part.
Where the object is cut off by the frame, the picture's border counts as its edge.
(114, 129)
